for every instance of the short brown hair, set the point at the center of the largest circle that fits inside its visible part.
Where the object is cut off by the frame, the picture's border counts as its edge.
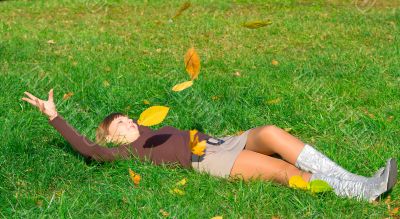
(102, 130)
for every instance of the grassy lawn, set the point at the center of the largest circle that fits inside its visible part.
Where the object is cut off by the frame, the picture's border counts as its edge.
(336, 85)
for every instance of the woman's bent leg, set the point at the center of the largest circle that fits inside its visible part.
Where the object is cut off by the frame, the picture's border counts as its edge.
(271, 139)
(250, 164)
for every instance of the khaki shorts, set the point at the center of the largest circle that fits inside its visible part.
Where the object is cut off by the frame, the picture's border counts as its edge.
(218, 160)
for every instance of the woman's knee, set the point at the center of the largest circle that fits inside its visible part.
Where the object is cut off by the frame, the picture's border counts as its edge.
(267, 130)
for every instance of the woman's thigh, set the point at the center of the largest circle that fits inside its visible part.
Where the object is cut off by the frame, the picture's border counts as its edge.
(250, 165)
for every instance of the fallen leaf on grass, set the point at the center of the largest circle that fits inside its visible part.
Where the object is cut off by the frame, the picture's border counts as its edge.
(182, 86)
(134, 177)
(287, 129)
(183, 8)
(239, 132)
(257, 24)
(177, 191)
(181, 182)
(237, 74)
(146, 102)
(370, 115)
(394, 212)
(215, 97)
(274, 101)
(318, 186)
(153, 115)
(164, 213)
(315, 186)
(297, 182)
(217, 217)
(106, 83)
(274, 62)
(51, 42)
(68, 95)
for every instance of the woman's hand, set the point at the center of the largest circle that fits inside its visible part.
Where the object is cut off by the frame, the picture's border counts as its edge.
(47, 107)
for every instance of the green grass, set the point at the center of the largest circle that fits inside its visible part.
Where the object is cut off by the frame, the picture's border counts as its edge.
(338, 80)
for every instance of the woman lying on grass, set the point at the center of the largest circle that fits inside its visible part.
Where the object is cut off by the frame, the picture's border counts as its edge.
(246, 155)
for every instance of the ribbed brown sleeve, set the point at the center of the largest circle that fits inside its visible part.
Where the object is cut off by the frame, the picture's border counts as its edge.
(84, 146)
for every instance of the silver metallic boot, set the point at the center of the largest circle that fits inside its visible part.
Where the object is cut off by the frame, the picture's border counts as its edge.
(367, 190)
(314, 161)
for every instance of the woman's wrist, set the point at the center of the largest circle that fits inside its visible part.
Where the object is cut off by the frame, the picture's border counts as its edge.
(54, 115)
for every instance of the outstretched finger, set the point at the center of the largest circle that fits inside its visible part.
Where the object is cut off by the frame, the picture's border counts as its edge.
(30, 95)
(51, 94)
(29, 101)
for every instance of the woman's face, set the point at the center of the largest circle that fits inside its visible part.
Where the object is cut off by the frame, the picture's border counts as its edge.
(122, 130)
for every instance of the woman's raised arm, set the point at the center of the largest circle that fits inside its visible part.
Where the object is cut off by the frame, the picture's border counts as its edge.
(78, 142)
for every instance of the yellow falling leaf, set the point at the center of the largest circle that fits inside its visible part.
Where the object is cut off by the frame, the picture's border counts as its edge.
(134, 177)
(192, 63)
(177, 191)
(182, 86)
(146, 102)
(153, 115)
(51, 42)
(217, 217)
(257, 24)
(182, 182)
(298, 182)
(274, 62)
(68, 95)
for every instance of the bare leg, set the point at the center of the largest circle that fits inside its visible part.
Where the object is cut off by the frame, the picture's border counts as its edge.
(271, 139)
(250, 164)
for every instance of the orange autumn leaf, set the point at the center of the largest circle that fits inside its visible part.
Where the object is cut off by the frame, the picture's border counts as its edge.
(68, 95)
(274, 62)
(182, 86)
(192, 63)
(134, 177)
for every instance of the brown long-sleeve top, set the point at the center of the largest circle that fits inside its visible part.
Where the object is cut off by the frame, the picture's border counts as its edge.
(165, 145)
